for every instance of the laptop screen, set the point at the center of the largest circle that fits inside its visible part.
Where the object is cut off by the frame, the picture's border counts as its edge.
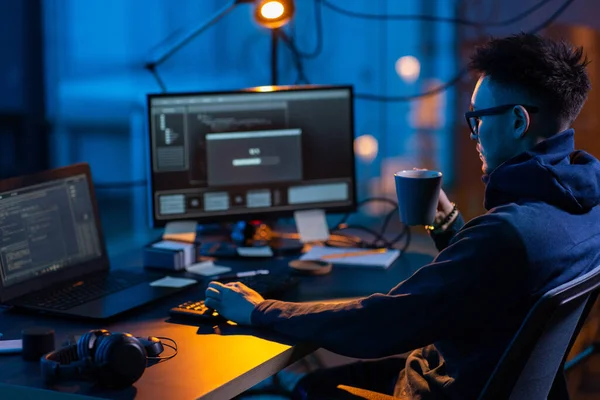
(45, 228)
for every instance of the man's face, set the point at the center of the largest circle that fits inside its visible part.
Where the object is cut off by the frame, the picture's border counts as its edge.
(495, 140)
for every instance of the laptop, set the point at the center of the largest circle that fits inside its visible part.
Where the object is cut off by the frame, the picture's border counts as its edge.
(53, 256)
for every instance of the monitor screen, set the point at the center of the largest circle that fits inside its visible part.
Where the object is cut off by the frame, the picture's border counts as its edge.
(46, 227)
(250, 154)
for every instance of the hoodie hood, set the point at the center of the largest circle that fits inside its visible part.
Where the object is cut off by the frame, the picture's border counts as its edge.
(552, 172)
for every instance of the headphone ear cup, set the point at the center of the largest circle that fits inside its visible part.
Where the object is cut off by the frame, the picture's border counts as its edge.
(120, 360)
(85, 349)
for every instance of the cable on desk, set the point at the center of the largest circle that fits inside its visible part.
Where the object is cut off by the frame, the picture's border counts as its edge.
(343, 240)
(172, 345)
(406, 234)
(379, 240)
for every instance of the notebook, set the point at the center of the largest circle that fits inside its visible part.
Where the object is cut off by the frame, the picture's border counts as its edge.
(382, 258)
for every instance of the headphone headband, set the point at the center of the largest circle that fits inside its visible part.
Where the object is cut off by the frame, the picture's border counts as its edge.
(62, 364)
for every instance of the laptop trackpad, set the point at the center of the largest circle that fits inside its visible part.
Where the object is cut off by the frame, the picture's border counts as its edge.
(123, 300)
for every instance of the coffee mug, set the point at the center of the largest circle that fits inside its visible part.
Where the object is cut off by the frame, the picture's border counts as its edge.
(418, 192)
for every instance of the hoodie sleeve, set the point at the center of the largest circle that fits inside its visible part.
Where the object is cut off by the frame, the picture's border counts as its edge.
(442, 240)
(465, 284)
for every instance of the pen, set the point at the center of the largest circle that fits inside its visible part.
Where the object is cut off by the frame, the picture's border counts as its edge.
(354, 253)
(242, 274)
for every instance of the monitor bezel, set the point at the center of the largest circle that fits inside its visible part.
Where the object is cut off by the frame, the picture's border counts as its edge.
(261, 216)
(68, 273)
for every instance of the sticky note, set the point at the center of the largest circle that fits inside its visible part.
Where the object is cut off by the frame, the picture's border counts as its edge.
(169, 281)
(263, 251)
(184, 231)
(207, 268)
(311, 225)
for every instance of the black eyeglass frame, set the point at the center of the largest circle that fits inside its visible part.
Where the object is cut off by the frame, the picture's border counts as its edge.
(495, 111)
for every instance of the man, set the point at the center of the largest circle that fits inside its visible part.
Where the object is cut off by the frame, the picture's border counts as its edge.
(456, 315)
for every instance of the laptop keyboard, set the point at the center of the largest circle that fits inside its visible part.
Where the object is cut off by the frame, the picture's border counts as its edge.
(84, 291)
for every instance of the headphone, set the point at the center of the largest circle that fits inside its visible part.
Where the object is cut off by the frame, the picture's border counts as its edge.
(114, 360)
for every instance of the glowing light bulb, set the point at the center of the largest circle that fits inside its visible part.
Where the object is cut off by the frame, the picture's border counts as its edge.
(265, 88)
(366, 147)
(408, 68)
(272, 10)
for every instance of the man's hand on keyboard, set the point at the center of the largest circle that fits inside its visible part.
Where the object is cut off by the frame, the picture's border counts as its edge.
(234, 301)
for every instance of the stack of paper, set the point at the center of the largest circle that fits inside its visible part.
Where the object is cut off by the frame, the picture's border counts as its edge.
(381, 258)
(183, 253)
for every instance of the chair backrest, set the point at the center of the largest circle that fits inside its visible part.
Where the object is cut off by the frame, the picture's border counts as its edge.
(537, 353)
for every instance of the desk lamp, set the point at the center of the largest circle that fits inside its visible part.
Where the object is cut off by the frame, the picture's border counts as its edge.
(271, 14)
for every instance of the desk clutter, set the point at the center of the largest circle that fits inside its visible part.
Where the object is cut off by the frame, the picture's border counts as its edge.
(196, 258)
(175, 252)
(179, 256)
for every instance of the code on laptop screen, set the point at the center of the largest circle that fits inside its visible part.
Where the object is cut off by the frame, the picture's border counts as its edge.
(46, 227)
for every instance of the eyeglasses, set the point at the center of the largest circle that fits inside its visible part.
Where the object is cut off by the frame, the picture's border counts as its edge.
(473, 117)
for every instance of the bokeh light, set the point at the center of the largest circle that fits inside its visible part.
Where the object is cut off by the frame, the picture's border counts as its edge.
(408, 68)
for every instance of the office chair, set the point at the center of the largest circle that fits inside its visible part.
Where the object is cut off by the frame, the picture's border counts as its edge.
(533, 366)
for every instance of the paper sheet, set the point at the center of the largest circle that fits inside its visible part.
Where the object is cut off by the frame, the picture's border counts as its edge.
(11, 346)
(311, 225)
(169, 281)
(382, 260)
(207, 268)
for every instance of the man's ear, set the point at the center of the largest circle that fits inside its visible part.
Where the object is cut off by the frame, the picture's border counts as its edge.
(521, 121)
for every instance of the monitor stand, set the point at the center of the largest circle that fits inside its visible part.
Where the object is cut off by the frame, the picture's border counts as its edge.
(261, 233)
(248, 234)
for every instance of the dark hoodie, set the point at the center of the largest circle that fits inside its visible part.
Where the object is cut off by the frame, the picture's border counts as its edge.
(541, 230)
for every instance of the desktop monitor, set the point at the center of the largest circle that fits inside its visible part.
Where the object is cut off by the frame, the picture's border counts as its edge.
(251, 154)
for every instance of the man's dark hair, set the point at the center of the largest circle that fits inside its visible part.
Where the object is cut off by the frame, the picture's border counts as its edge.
(552, 72)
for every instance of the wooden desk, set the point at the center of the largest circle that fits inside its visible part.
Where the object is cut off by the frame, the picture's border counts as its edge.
(211, 364)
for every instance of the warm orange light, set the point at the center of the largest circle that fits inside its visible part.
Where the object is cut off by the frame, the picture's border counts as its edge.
(274, 14)
(265, 88)
(272, 10)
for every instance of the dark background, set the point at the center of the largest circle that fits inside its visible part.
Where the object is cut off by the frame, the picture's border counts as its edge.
(23, 129)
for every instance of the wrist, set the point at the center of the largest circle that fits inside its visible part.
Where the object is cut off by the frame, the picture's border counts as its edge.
(255, 313)
(448, 208)
(443, 223)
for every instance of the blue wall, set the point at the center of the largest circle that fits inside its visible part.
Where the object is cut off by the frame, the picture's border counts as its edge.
(96, 86)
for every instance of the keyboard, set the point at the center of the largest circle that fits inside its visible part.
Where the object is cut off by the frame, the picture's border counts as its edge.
(83, 291)
(270, 286)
